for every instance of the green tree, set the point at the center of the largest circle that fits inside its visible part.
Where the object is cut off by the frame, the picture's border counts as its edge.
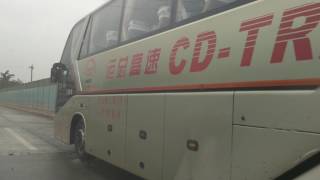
(6, 80)
(6, 76)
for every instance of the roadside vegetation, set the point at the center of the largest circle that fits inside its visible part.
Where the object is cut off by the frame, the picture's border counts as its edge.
(6, 80)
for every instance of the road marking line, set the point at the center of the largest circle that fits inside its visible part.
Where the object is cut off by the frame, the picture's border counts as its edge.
(19, 138)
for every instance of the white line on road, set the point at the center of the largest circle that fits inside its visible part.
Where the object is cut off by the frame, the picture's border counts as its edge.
(19, 138)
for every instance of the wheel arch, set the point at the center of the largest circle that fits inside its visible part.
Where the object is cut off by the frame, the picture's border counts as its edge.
(76, 118)
(302, 167)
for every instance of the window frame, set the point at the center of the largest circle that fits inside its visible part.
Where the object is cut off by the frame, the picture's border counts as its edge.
(88, 25)
(172, 25)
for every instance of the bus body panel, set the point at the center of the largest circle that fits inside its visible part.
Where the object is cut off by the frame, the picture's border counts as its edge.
(206, 135)
(76, 106)
(282, 128)
(257, 152)
(296, 110)
(106, 128)
(264, 153)
(145, 135)
(215, 52)
(204, 120)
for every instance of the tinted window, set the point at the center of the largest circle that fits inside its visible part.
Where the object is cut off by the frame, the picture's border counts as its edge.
(73, 42)
(143, 16)
(66, 56)
(191, 8)
(105, 26)
(71, 49)
(70, 52)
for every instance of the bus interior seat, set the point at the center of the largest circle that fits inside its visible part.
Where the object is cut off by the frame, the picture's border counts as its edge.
(137, 28)
(214, 4)
(190, 8)
(111, 38)
(164, 15)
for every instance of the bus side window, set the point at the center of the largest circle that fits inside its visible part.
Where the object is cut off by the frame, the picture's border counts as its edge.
(190, 8)
(71, 49)
(105, 27)
(144, 16)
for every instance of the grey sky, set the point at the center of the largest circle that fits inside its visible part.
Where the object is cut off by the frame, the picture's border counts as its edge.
(35, 31)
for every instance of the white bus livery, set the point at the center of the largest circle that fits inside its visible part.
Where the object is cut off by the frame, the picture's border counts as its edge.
(195, 89)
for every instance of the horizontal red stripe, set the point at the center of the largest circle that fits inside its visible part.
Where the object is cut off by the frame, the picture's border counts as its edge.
(251, 43)
(315, 18)
(307, 13)
(197, 49)
(305, 27)
(224, 54)
(177, 46)
(302, 8)
(257, 20)
(292, 36)
(212, 48)
(286, 24)
(206, 38)
(183, 39)
(252, 38)
(176, 50)
(225, 49)
(200, 44)
(256, 26)
(253, 84)
(206, 34)
(181, 43)
(210, 51)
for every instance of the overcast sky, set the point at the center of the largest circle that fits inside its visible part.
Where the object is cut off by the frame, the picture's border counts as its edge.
(35, 31)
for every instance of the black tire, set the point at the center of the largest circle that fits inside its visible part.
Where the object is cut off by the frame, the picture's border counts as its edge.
(79, 142)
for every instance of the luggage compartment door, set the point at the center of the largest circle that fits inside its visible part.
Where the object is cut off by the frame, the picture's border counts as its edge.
(198, 134)
(145, 135)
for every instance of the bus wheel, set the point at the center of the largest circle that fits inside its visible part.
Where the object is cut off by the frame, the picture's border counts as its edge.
(79, 141)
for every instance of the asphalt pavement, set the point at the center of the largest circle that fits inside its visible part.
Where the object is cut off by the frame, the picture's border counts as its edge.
(29, 151)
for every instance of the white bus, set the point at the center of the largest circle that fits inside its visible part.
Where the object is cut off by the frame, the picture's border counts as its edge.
(195, 89)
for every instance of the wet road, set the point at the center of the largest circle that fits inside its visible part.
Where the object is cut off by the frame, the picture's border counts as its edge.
(28, 150)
